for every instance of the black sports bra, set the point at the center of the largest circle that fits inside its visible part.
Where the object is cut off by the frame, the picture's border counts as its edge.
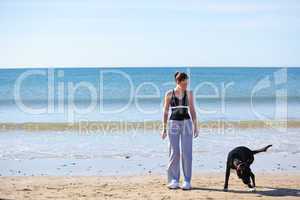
(179, 112)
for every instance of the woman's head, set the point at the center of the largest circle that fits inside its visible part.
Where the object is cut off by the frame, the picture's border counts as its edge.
(181, 79)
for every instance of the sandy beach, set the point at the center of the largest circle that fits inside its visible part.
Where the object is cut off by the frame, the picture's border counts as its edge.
(205, 186)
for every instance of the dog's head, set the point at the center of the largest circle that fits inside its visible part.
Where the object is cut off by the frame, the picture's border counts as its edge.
(244, 172)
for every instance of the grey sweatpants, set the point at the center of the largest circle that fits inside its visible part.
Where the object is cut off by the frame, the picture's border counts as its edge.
(180, 133)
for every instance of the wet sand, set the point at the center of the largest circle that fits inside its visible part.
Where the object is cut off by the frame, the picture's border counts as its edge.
(278, 185)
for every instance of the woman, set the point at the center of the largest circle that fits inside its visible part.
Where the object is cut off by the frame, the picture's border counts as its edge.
(180, 127)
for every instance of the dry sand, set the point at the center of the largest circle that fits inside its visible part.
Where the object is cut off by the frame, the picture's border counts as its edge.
(275, 185)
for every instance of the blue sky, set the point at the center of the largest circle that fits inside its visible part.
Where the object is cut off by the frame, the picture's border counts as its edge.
(43, 33)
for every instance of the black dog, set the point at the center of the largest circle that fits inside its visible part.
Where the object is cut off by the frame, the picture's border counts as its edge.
(240, 159)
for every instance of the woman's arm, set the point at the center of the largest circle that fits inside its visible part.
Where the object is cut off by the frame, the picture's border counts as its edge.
(193, 112)
(165, 114)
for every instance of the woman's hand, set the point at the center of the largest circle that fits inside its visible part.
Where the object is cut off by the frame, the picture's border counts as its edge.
(163, 134)
(196, 132)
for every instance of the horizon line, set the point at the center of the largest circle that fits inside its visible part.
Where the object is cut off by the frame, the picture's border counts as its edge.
(146, 66)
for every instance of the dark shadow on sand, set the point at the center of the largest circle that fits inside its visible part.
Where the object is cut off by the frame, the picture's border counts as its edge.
(273, 192)
(220, 190)
(279, 192)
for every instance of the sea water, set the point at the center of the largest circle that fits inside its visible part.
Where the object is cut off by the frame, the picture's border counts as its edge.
(136, 94)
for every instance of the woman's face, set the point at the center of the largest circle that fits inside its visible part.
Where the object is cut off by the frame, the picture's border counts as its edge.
(183, 84)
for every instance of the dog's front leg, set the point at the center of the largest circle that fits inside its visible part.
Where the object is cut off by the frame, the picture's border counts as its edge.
(252, 187)
(227, 177)
(253, 180)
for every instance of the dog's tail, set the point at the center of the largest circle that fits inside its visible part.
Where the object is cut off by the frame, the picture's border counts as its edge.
(261, 150)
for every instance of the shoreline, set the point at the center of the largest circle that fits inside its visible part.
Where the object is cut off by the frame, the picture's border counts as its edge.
(112, 126)
(205, 186)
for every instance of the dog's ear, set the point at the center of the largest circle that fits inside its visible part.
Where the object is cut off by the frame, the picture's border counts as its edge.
(247, 166)
(239, 172)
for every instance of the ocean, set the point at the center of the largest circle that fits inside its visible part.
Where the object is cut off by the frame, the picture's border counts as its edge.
(136, 94)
